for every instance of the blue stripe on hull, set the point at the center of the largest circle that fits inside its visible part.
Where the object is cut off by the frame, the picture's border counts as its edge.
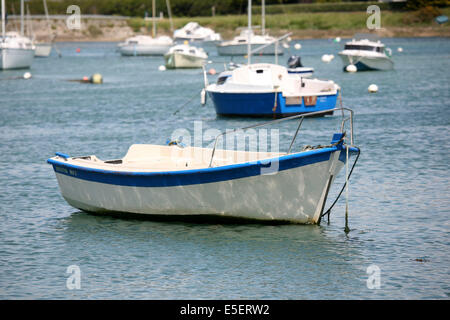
(262, 104)
(190, 177)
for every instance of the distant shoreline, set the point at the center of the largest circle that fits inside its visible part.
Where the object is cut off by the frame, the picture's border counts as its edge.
(310, 26)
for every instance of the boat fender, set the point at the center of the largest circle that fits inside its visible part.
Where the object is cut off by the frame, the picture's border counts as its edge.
(203, 97)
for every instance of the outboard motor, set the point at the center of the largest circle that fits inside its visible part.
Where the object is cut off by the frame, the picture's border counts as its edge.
(294, 62)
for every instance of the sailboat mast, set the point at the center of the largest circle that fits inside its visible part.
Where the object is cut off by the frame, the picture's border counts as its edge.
(3, 20)
(249, 46)
(153, 18)
(169, 12)
(263, 17)
(21, 18)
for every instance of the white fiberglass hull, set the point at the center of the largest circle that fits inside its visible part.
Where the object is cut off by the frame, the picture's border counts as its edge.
(144, 50)
(241, 49)
(180, 60)
(296, 195)
(367, 62)
(43, 50)
(16, 58)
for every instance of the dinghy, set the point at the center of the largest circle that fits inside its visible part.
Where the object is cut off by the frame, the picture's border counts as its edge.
(189, 181)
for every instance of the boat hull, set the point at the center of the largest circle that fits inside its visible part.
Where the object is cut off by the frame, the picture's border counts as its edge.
(241, 50)
(264, 104)
(363, 63)
(296, 192)
(16, 58)
(43, 50)
(178, 60)
(143, 50)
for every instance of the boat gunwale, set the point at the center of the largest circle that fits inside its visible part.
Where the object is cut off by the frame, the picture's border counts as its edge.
(287, 157)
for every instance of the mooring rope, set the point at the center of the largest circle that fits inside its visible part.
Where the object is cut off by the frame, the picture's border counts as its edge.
(187, 102)
(343, 187)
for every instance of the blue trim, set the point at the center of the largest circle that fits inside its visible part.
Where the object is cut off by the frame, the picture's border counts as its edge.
(62, 155)
(191, 177)
(262, 104)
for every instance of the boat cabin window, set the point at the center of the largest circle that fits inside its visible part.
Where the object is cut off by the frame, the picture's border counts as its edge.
(259, 71)
(241, 40)
(364, 48)
(132, 42)
(192, 51)
(178, 50)
(222, 80)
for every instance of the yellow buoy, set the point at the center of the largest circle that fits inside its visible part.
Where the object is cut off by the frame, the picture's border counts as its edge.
(97, 78)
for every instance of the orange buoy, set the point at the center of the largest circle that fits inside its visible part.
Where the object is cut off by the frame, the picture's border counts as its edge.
(212, 71)
(78, 50)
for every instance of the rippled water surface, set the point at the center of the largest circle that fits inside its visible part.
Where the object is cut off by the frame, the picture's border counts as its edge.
(399, 192)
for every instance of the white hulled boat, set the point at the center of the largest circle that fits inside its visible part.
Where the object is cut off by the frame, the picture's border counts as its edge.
(366, 54)
(145, 46)
(238, 46)
(142, 45)
(185, 56)
(192, 181)
(16, 51)
(193, 32)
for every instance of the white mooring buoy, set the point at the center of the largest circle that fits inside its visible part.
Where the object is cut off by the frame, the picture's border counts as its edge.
(373, 88)
(27, 75)
(326, 58)
(400, 49)
(297, 46)
(162, 68)
(351, 68)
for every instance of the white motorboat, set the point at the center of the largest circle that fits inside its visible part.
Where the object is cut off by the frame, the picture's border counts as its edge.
(185, 56)
(143, 45)
(192, 181)
(16, 51)
(193, 32)
(366, 54)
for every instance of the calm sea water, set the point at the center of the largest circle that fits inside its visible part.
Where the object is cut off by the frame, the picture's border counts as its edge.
(399, 192)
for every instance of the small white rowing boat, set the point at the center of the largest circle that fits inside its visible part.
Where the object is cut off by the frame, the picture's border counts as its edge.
(176, 181)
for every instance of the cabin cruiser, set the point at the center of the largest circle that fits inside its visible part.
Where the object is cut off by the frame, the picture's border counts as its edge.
(366, 54)
(193, 32)
(185, 56)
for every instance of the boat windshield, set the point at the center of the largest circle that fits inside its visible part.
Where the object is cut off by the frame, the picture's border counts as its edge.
(364, 48)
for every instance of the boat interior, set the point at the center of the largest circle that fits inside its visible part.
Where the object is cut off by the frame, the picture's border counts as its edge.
(154, 158)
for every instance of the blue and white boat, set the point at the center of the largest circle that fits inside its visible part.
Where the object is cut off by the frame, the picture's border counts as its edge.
(269, 90)
(189, 181)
